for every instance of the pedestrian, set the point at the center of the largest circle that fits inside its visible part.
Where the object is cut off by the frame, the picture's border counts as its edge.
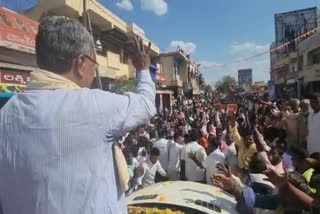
(292, 125)
(211, 161)
(313, 144)
(151, 167)
(163, 145)
(303, 122)
(189, 170)
(175, 156)
(245, 144)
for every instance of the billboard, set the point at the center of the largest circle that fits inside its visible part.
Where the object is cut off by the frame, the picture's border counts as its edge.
(17, 32)
(290, 25)
(245, 76)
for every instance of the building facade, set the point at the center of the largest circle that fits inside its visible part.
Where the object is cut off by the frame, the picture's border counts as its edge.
(180, 72)
(17, 52)
(291, 29)
(309, 53)
(110, 33)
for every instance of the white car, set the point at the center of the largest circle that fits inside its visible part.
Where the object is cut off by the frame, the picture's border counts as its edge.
(180, 197)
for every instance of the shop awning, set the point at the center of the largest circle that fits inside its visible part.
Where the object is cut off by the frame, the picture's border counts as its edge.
(17, 32)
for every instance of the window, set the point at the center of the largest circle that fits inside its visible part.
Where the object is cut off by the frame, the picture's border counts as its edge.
(316, 87)
(293, 69)
(123, 56)
(314, 57)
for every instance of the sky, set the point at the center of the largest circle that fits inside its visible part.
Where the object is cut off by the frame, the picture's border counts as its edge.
(214, 32)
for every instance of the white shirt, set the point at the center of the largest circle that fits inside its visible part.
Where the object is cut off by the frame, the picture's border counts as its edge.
(193, 172)
(150, 170)
(210, 163)
(231, 156)
(163, 145)
(140, 158)
(174, 161)
(313, 132)
(56, 148)
(259, 178)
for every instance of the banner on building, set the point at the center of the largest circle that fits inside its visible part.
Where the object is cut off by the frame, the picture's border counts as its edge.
(12, 83)
(16, 31)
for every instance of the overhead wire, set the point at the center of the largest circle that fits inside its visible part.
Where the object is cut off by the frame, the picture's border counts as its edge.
(304, 35)
(309, 33)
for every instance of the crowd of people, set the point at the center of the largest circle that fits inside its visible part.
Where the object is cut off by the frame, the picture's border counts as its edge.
(64, 148)
(265, 153)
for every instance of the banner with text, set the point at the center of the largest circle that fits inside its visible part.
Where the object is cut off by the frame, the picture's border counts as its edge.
(12, 83)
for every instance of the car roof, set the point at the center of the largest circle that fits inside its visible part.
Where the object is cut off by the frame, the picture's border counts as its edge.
(184, 194)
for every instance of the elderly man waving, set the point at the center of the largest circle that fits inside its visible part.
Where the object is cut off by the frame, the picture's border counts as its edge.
(56, 138)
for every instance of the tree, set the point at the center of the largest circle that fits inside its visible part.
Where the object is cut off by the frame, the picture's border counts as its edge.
(208, 89)
(121, 86)
(226, 84)
(201, 80)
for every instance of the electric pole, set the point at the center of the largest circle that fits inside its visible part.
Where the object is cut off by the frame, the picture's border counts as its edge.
(87, 23)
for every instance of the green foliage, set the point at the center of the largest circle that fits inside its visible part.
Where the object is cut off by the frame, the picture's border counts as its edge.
(225, 84)
(121, 86)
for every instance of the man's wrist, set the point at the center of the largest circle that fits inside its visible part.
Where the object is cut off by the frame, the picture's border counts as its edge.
(236, 189)
(233, 188)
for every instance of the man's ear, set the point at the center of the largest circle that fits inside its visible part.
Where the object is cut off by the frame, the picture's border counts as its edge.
(78, 66)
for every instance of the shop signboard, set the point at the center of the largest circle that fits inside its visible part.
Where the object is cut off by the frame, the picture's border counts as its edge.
(12, 82)
(17, 32)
